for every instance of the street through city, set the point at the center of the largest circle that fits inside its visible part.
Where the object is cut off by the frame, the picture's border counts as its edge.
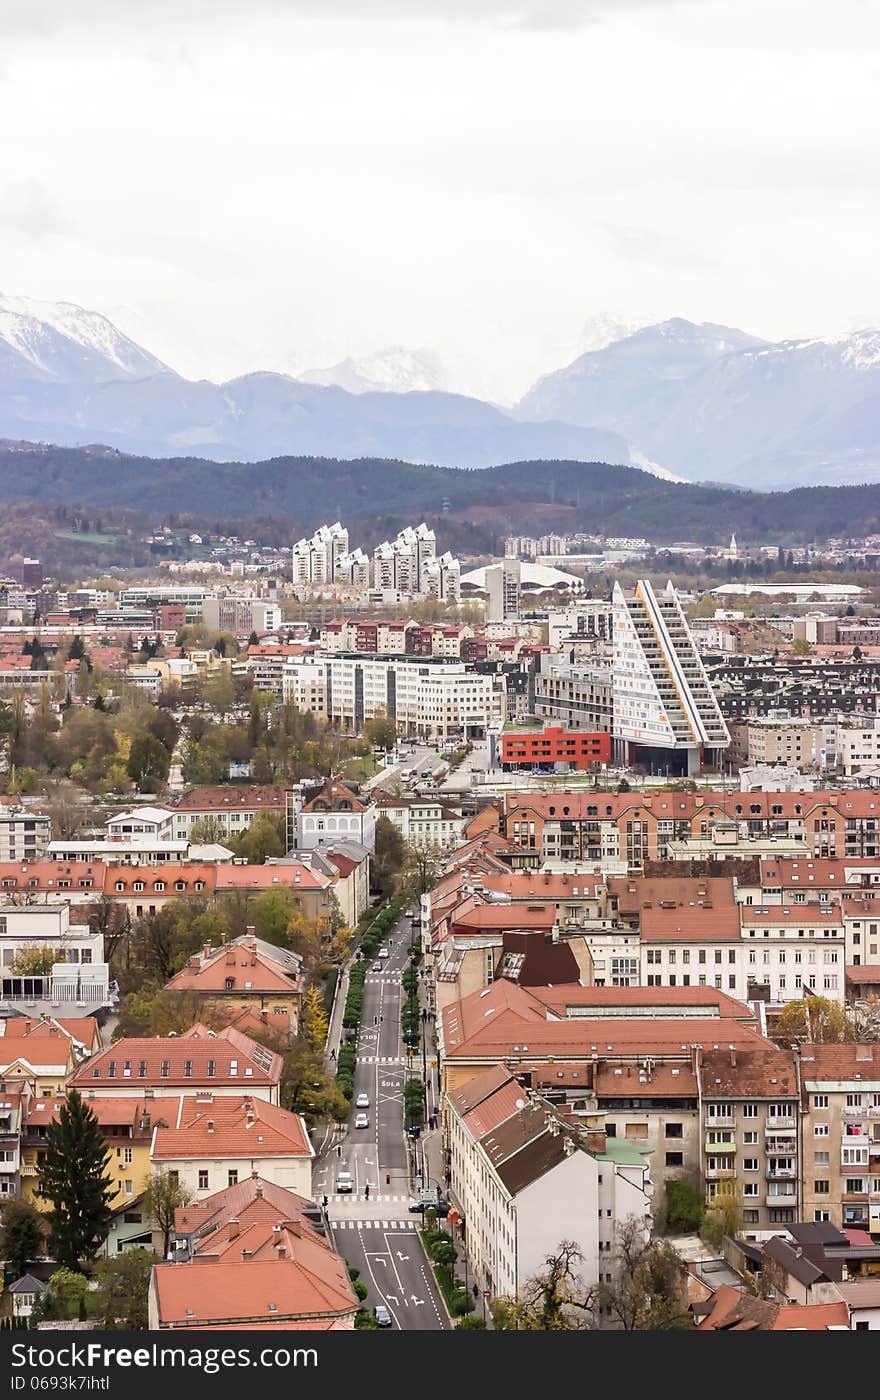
(372, 1226)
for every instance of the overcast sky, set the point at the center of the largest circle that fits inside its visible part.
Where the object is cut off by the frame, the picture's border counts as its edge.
(281, 183)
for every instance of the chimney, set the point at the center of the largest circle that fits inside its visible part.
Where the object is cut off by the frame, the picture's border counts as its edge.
(207, 951)
(210, 1125)
(733, 1057)
(234, 1229)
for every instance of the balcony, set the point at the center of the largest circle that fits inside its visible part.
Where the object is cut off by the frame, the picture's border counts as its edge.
(28, 1169)
(720, 1174)
(781, 1174)
(777, 1125)
(718, 1149)
(722, 1120)
(782, 1198)
(856, 1115)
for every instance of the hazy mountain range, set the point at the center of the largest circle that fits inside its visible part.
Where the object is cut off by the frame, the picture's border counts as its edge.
(702, 402)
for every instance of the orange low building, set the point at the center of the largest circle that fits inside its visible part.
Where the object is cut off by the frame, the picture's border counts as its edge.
(539, 748)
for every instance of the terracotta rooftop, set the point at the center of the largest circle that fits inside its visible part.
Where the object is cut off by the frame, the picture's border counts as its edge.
(763, 1071)
(232, 797)
(230, 1126)
(224, 1058)
(251, 1291)
(836, 1062)
(235, 968)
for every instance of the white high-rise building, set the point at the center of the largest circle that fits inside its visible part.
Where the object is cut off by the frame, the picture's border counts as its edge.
(503, 583)
(354, 569)
(663, 700)
(441, 578)
(317, 559)
(399, 565)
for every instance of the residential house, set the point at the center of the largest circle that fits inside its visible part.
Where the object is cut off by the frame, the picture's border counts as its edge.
(221, 1063)
(214, 1141)
(525, 1177)
(245, 973)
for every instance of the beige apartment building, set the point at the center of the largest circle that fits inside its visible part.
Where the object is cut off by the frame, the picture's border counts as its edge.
(840, 1135)
(778, 738)
(749, 1104)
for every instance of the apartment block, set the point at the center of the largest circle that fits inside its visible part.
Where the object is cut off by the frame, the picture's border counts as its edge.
(524, 1176)
(840, 1135)
(24, 833)
(665, 711)
(316, 559)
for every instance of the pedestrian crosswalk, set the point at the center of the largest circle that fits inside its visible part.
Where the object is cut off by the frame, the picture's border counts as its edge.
(374, 1224)
(379, 1198)
(378, 1060)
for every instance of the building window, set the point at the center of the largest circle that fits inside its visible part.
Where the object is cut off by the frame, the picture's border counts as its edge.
(674, 1130)
(674, 1159)
(232, 1176)
(750, 1164)
(203, 1180)
(822, 1187)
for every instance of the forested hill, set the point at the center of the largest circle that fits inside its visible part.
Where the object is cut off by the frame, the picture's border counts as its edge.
(521, 497)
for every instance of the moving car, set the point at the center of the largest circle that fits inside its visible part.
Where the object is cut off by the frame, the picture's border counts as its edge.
(361, 1120)
(362, 1101)
(382, 1315)
(383, 953)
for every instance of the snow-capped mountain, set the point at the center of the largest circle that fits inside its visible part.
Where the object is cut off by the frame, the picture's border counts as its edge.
(687, 401)
(712, 403)
(392, 371)
(62, 341)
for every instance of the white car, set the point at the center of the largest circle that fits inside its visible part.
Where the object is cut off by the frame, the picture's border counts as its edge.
(383, 953)
(362, 1101)
(344, 1183)
(361, 1120)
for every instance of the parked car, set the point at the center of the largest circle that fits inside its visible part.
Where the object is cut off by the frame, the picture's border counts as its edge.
(441, 1208)
(344, 1183)
(382, 1315)
(361, 1120)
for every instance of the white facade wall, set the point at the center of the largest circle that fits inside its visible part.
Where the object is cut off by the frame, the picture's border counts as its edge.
(293, 1173)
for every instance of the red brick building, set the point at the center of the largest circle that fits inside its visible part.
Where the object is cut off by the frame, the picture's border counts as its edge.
(540, 748)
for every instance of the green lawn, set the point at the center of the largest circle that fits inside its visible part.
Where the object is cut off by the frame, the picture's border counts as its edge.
(77, 538)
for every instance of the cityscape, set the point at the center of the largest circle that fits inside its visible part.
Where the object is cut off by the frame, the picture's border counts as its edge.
(439, 682)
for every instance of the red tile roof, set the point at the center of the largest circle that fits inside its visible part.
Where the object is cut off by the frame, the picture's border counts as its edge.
(237, 798)
(231, 1126)
(241, 963)
(256, 1290)
(254, 1064)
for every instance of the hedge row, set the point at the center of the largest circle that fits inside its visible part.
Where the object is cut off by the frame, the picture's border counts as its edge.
(414, 1103)
(370, 941)
(443, 1253)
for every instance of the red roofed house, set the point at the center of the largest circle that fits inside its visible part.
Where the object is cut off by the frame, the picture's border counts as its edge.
(245, 973)
(222, 1062)
(235, 807)
(212, 1142)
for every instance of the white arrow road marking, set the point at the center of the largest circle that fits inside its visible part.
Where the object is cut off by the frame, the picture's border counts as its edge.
(403, 1257)
(419, 1302)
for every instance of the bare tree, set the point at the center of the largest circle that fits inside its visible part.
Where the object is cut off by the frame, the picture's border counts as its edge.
(554, 1300)
(64, 807)
(163, 1198)
(647, 1291)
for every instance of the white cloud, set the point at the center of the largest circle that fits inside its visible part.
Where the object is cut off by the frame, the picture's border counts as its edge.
(287, 183)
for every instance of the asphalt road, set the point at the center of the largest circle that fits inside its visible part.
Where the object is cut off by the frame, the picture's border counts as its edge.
(373, 1227)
